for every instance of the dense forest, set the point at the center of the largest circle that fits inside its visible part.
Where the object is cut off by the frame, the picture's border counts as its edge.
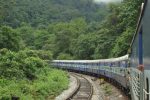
(35, 31)
(69, 29)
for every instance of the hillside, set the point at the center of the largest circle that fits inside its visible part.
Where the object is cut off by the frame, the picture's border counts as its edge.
(72, 29)
(43, 12)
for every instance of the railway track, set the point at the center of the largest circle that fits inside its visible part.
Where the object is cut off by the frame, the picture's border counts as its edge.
(84, 90)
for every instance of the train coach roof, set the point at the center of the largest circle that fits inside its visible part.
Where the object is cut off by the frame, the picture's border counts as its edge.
(94, 61)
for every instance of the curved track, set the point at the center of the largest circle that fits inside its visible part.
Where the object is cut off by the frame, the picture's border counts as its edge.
(84, 90)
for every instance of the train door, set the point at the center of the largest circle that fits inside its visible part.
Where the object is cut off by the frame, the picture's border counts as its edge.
(146, 50)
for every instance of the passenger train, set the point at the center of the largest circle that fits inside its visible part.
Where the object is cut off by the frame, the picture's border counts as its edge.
(131, 71)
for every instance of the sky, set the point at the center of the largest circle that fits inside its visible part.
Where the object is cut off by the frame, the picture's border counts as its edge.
(106, 1)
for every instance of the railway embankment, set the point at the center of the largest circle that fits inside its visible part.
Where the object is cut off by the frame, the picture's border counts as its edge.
(71, 88)
(101, 90)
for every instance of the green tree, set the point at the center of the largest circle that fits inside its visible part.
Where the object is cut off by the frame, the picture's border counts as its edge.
(122, 43)
(63, 56)
(9, 38)
(5, 7)
(83, 47)
(27, 34)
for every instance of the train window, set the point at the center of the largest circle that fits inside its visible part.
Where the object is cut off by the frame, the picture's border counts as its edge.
(118, 64)
(147, 88)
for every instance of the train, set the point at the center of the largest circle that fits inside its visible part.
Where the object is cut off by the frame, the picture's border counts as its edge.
(131, 71)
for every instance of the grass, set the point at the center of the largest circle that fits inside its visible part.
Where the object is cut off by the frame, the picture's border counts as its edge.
(108, 89)
(50, 83)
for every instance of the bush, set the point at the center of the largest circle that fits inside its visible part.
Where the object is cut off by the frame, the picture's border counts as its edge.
(26, 76)
(32, 65)
(45, 55)
(24, 64)
(10, 68)
(64, 56)
(48, 84)
(42, 54)
(3, 51)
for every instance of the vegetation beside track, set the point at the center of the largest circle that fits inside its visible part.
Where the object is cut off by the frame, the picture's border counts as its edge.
(24, 75)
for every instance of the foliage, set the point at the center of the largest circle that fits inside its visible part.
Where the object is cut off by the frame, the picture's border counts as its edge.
(9, 67)
(122, 43)
(81, 31)
(65, 33)
(40, 13)
(45, 55)
(128, 17)
(83, 47)
(9, 39)
(50, 83)
(24, 64)
(25, 75)
(108, 89)
(5, 7)
(42, 54)
(64, 56)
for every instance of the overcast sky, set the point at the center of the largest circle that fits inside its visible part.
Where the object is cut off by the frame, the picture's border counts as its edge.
(106, 1)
